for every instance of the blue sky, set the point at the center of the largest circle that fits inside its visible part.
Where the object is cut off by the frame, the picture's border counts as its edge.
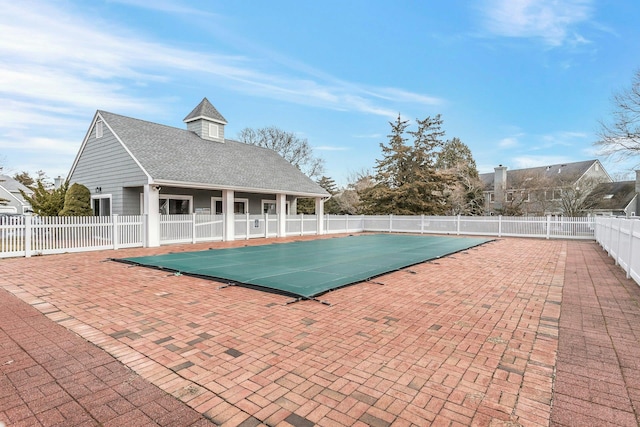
(522, 82)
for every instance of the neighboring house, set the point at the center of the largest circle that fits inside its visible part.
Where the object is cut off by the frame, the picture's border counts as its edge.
(616, 198)
(559, 189)
(10, 192)
(137, 167)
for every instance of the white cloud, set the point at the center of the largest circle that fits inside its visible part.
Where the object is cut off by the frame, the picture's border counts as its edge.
(553, 21)
(60, 63)
(70, 59)
(167, 6)
(508, 142)
(522, 162)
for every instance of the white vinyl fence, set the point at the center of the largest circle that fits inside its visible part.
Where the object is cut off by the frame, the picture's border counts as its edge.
(28, 236)
(620, 237)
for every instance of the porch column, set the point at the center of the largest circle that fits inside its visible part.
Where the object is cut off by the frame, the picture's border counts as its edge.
(320, 215)
(281, 210)
(152, 212)
(229, 215)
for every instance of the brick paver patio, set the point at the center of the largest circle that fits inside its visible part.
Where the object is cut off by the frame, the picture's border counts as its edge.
(469, 339)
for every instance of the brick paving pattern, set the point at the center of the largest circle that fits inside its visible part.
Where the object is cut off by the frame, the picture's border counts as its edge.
(598, 367)
(469, 339)
(52, 377)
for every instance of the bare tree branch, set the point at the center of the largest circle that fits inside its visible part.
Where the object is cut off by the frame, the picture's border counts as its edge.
(620, 136)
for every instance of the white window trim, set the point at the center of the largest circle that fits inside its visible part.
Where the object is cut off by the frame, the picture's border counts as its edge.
(103, 196)
(99, 129)
(213, 205)
(273, 201)
(214, 130)
(246, 205)
(176, 197)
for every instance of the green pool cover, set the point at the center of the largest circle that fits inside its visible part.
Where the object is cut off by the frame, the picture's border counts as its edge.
(310, 268)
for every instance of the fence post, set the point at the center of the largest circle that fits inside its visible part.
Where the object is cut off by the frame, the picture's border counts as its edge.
(458, 226)
(548, 226)
(499, 225)
(193, 228)
(27, 236)
(390, 223)
(631, 224)
(115, 233)
(301, 224)
(266, 225)
(346, 222)
(247, 227)
(618, 240)
(143, 219)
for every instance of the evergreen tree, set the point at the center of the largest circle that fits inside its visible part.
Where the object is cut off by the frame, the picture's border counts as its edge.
(46, 202)
(391, 172)
(332, 205)
(328, 184)
(406, 180)
(25, 179)
(77, 201)
(466, 191)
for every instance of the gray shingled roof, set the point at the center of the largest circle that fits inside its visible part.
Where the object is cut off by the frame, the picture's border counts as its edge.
(207, 110)
(612, 195)
(569, 172)
(172, 154)
(13, 186)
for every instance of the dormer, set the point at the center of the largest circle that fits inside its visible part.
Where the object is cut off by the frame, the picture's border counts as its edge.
(206, 122)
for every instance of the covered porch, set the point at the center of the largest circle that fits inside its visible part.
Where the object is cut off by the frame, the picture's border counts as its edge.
(240, 213)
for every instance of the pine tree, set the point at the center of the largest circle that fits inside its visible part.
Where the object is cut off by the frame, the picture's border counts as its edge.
(46, 202)
(392, 172)
(328, 184)
(406, 180)
(77, 201)
(466, 196)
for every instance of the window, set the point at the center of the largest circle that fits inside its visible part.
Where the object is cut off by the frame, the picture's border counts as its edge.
(216, 206)
(239, 207)
(175, 204)
(270, 207)
(101, 205)
(99, 130)
(213, 130)
(553, 194)
(492, 197)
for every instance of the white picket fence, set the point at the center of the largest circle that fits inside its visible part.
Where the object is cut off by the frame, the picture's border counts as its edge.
(620, 237)
(28, 236)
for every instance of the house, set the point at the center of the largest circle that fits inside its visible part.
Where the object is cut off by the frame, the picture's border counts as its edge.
(616, 198)
(13, 203)
(559, 189)
(134, 167)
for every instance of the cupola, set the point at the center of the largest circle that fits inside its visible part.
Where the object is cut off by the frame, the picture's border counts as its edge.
(206, 122)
